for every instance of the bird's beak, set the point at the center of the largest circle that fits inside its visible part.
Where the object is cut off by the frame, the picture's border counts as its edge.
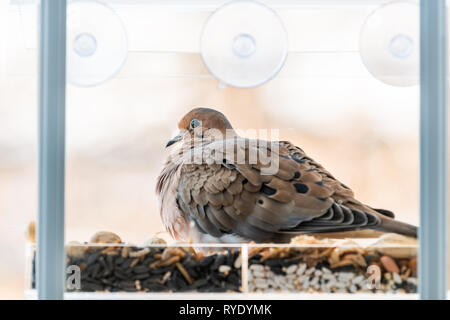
(174, 139)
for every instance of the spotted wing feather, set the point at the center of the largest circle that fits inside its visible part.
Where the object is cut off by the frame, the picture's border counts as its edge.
(229, 197)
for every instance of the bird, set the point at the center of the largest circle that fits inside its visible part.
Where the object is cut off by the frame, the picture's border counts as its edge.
(211, 190)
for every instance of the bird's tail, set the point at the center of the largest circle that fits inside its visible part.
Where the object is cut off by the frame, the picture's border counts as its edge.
(395, 226)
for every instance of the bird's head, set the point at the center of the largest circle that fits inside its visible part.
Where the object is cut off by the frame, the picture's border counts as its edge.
(202, 122)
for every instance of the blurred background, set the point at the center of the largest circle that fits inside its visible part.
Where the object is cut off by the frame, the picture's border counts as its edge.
(324, 100)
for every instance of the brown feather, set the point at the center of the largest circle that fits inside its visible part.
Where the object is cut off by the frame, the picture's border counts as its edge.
(223, 196)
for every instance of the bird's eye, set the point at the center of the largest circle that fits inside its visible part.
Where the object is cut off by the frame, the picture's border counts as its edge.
(195, 123)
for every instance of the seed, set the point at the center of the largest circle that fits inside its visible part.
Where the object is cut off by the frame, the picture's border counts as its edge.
(309, 271)
(302, 267)
(207, 261)
(134, 262)
(125, 251)
(166, 277)
(397, 279)
(238, 263)
(172, 260)
(154, 240)
(224, 269)
(258, 274)
(169, 252)
(413, 266)
(140, 253)
(291, 269)
(261, 284)
(140, 269)
(137, 283)
(257, 267)
(184, 273)
(359, 279)
(199, 283)
(325, 270)
(92, 258)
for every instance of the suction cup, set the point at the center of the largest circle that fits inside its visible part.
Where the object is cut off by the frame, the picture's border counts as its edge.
(389, 43)
(244, 44)
(96, 43)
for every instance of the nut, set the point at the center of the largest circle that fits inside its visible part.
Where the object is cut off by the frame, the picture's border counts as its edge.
(154, 241)
(31, 232)
(105, 237)
(389, 264)
(75, 249)
(406, 246)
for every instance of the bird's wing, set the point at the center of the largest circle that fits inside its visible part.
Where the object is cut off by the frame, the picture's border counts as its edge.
(228, 196)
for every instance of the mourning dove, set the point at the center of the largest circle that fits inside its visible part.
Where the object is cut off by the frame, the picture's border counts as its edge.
(213, 189)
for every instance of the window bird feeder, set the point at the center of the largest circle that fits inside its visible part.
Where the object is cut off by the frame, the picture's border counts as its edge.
(243, 44)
